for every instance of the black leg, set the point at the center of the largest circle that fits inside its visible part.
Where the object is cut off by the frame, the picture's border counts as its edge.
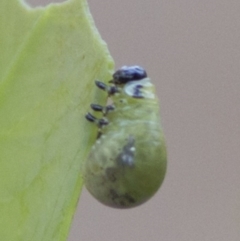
(90, 117)
(97, 107)
(103, 109)
(109, 108)
(111, 90)
(101, 85)
(99, 122)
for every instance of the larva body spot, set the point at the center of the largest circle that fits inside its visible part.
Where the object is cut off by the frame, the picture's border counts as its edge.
(128, 165)
(126, 156)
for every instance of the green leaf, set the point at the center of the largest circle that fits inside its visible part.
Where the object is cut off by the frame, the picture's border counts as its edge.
(49, 59)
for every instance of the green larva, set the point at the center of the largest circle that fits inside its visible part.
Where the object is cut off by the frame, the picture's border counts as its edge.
(127, 164)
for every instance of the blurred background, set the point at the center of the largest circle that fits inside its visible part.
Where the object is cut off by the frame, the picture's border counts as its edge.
(191, 50)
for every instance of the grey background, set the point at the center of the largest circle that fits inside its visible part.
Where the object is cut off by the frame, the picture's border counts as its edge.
(191, 50)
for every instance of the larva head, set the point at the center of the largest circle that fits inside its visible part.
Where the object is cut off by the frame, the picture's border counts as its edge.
(127, 74)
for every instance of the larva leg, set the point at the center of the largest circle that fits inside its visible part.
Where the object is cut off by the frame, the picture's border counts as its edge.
(100, 122)
(103, 109)
(111, 90)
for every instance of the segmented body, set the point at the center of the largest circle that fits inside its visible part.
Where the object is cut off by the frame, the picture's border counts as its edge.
(127, 164)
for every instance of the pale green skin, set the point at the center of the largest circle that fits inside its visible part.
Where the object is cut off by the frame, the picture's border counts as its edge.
(125, 185)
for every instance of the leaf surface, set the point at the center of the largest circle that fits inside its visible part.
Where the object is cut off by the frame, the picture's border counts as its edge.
(49, 59)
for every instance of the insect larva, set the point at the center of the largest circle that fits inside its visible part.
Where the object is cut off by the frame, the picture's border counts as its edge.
(127, 164)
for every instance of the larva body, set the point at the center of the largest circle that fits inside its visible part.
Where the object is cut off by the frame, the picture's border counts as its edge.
(127, 164)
